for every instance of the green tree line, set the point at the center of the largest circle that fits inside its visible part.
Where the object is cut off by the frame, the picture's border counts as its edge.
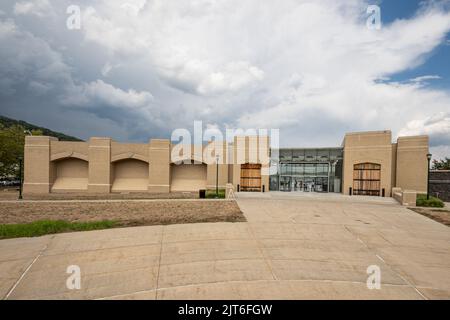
(12, 140)
(443, 164)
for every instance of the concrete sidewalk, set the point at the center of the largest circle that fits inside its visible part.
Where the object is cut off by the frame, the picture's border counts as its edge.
(296, 248)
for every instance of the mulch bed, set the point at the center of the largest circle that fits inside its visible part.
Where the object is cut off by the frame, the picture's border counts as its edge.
(127, 213)
(13, 194)
(439, 215)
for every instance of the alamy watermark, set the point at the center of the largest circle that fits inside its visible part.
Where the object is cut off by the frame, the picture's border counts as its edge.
(235, 146)
(373, 22)
(73, 21)
(374, 279)
(73, 282)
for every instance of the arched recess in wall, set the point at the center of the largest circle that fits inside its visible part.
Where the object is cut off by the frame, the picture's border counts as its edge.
(129, 175)
(367, 179)
(189, 177)
(69, 174)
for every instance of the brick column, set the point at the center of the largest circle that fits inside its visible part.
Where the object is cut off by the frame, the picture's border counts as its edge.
(38, 173)
(99, 165)
(159, 168)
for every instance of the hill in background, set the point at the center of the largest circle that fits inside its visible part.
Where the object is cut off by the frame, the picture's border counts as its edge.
(8, 122)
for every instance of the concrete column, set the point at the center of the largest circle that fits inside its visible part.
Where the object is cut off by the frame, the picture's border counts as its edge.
(38, 174)
(240, 156)
(412, 164)
(264, 159)
(254, 150)
(99, 165)
(159, 168)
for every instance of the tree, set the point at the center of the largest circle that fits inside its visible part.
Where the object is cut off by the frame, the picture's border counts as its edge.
(443, 164)
(12, 141)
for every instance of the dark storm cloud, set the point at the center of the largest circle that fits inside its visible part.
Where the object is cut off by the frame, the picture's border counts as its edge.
(140, 69)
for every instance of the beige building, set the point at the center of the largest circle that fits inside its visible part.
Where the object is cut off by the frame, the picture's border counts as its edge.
(103, 165)
(373, 163)
(367, 164)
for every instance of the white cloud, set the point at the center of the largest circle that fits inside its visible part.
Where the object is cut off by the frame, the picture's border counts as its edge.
(195, 45)
(436, 126)
(36, 7)
(200, 78)
(98, 94)
(117, 34)
(424, 79)
(108, 67)
(133, 7)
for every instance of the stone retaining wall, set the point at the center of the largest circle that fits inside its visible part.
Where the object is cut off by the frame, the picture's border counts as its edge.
(440, 184)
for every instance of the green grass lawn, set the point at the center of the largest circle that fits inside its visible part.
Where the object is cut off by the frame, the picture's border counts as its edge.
(40, 228)
(211, 194)
(432, 202)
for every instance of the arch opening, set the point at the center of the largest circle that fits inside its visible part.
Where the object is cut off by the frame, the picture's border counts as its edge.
(188, 177)
(70, 174)
(129, 175)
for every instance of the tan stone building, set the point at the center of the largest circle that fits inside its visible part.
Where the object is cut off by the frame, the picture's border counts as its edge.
(103, 165)
(366, 164)
(372, 161)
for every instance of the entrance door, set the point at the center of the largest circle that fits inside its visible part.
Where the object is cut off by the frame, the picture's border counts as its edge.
(366, 179)
(321, 184)
(251, 177)
(285, 184)
(297, 184)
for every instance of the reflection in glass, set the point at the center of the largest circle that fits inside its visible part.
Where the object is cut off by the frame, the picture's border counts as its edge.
(309, 170)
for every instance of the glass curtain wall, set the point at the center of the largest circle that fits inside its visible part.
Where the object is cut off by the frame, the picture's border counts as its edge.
(308, 170)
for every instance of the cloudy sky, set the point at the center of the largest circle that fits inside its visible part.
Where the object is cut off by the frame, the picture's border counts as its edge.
(312, 68)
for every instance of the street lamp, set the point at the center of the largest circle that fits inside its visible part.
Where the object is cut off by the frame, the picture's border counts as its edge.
(217, 176)
(428, 175)
(20, 177)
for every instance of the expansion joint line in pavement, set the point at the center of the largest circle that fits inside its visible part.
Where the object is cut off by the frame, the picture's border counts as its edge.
(159, 262)
(193, 285)
(261, 251)
(27, 269)
(384, 262)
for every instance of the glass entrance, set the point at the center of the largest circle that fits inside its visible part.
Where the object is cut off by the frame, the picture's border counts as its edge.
(297, 184)
(304, 177)
(285, 184)
(307, 170)
(303, 184)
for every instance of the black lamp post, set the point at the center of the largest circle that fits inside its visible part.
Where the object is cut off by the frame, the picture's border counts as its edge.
(217, 176)
(428, 175)
(20, 177)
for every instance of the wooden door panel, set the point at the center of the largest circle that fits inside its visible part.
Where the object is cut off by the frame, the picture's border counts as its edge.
(251, 177)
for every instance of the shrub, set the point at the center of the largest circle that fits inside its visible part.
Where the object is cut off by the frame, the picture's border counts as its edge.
(433, 202)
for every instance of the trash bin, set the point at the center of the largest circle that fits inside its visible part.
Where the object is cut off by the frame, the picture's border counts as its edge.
(202, 194)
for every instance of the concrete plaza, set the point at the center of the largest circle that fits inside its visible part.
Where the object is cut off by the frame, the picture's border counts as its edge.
(292, 247)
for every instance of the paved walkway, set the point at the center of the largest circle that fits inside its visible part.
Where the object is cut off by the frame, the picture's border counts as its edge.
(292, 247)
